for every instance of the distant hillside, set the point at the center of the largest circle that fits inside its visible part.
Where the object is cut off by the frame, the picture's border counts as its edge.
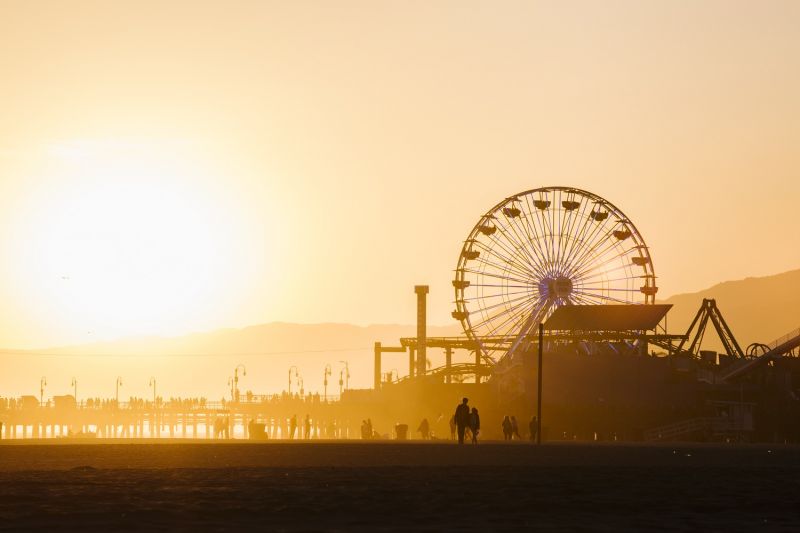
(756, 309)
(201, 363)
(272, 338)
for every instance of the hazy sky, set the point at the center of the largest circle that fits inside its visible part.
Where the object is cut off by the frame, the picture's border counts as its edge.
(177, 166)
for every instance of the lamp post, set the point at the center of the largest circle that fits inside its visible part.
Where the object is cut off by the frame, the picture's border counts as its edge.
(42, 385)
(347, 374)
(236, 381)
(153, 384)
(300, 383)
(119, 384)
(74, 386)
(325, 381)
(290, 377)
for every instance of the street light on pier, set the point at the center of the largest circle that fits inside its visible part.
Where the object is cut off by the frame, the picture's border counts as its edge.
(42, 385)
(300, 384)
(236, 381)
(119, 384)
(153, 384)
(346, 375)
(290, 377)
(74, 386)
(325, 381)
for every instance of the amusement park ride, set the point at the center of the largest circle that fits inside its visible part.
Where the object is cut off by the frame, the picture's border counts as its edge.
(574, 262)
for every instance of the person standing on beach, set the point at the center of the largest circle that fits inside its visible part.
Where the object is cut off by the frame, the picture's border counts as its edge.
(506, 428)
(424, 429)
(292, 426)
(462, 419)
(515, 428)
(474, 424)
(307, 434)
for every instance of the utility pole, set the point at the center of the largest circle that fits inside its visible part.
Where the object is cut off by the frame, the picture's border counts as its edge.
(539, 388)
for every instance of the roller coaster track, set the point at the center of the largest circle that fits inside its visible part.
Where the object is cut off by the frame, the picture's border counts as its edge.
(778, 348)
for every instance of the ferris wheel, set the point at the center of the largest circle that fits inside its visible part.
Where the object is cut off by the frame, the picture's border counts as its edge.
(543, 249)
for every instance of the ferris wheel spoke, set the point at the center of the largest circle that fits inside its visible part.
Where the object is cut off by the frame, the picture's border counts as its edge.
(512, 323)
(499, 285)
(532, 265)
(598, 262)
(495, 295)
(506, 311)
(515, 227)
(531, 220)
(508, 268)
(615, 289)
(598, 275)
(571, 221)
(598, 254)
(518, 244)
(547, 232)
(599, 235)
(505, 303)
(603, 240)
(602, 297)
(594, 232)
(496, 275)
(519, 267)
(537, 233)
(507, 322)
(577, 239)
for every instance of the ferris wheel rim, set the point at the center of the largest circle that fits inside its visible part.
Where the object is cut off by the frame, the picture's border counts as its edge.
(591, 262)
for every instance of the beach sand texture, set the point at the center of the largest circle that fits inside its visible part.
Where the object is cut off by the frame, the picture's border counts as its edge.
(336, 486)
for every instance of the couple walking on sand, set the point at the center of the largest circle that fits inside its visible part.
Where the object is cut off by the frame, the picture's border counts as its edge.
(464, 418)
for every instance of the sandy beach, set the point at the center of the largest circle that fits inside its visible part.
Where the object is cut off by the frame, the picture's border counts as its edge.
(335, 486)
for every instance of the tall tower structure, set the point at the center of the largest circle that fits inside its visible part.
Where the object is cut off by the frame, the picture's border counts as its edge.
(422, 333)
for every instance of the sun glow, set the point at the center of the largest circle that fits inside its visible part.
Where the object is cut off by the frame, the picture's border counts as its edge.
(128, 239)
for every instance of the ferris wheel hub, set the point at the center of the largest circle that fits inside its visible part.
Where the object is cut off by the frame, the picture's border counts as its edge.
(555, 287)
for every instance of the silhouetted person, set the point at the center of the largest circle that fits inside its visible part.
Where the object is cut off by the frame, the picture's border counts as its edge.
(292, 426)
(424, 429)
(474, 424)
(533, 427)
(364, 430)
(506, 428)
(370, 431)
(462, 419)
(452, 428)
(515, 428)
(308, 427)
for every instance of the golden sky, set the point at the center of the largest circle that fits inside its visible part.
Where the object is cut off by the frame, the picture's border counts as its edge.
(179, 166)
